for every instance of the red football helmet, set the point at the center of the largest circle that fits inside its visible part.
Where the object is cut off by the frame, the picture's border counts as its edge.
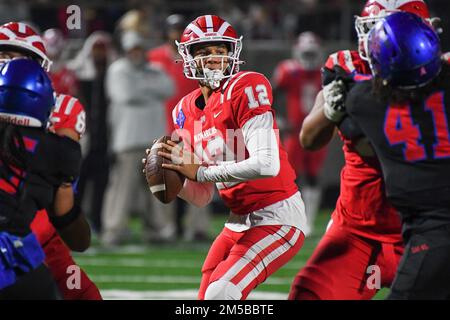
(205, 29)
(308, 50)
(18, 35)
(375, 10)
(54, 42)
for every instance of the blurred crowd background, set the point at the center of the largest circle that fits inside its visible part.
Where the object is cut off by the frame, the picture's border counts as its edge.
(101, 64)
(269, 25)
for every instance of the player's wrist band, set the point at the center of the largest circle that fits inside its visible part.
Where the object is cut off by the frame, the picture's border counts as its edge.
(60, 222)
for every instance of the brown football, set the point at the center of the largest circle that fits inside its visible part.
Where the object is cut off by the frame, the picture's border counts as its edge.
(165, 184)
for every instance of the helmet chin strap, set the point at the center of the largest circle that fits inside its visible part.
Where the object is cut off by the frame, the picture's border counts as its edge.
(212, 77)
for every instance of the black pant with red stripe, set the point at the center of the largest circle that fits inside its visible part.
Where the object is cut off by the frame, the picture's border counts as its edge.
(423, 272)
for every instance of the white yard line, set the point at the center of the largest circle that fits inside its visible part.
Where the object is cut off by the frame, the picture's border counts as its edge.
(138, 249)
(178, 295)
(138, 263)
(150, 263)
(168, 279)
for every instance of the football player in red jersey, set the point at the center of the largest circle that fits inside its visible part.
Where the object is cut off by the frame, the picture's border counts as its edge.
(68, 119)
(228, 123)
(362, 246)
(300, 80)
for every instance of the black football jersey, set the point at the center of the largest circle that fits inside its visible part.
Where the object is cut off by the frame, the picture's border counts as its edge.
(51, 161)
(412, 142)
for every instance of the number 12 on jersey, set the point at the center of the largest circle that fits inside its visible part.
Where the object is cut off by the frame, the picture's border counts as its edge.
(399, 128)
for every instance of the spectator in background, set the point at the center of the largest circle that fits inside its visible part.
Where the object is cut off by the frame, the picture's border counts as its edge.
(299, 79)
(145, 21)
(166, 56)
(90, 66)
(134, 20)
(137, 91)
(230, 11)
(258, 24)
(14, 10)
(64, 80)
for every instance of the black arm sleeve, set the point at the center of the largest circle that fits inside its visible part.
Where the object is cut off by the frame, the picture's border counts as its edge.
(69, 160)
(350, 129)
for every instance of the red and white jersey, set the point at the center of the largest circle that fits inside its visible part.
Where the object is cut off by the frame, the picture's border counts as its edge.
(348, 60)
(301, 87)
(362, 203)
(214, 134)
(64, 81)
(68, 113)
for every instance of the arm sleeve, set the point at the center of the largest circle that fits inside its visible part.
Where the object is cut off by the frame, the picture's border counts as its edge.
(69, 160)
(350, 129)
(264, 159)
(198, 194)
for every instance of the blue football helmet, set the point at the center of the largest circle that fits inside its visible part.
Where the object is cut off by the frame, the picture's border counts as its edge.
(26, 93)
(404, 51)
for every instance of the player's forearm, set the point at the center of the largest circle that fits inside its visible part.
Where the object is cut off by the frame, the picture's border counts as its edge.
(264, 159)
(257, 167)
(77, 235)
(69, 221)
(317, 130)
(197, 194)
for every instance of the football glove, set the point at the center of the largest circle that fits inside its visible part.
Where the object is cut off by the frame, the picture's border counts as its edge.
(334, 94)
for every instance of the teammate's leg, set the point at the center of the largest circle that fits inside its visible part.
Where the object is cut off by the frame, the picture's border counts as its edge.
(72, 281)
(388, 261)
(59, 260)
(337, 269)
(310, 185)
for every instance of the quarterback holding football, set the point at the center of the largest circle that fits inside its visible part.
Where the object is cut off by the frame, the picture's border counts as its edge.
(229, 138)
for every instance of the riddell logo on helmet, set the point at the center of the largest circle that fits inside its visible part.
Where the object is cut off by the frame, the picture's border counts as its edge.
(210, 34)
(17, 120)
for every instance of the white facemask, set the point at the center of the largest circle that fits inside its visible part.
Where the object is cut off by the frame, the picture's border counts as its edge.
(213, 77)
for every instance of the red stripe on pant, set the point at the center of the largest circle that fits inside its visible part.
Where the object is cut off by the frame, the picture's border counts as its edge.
(234, 256)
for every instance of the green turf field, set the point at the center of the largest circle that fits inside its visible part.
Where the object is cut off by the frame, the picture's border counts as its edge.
(172, 271)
